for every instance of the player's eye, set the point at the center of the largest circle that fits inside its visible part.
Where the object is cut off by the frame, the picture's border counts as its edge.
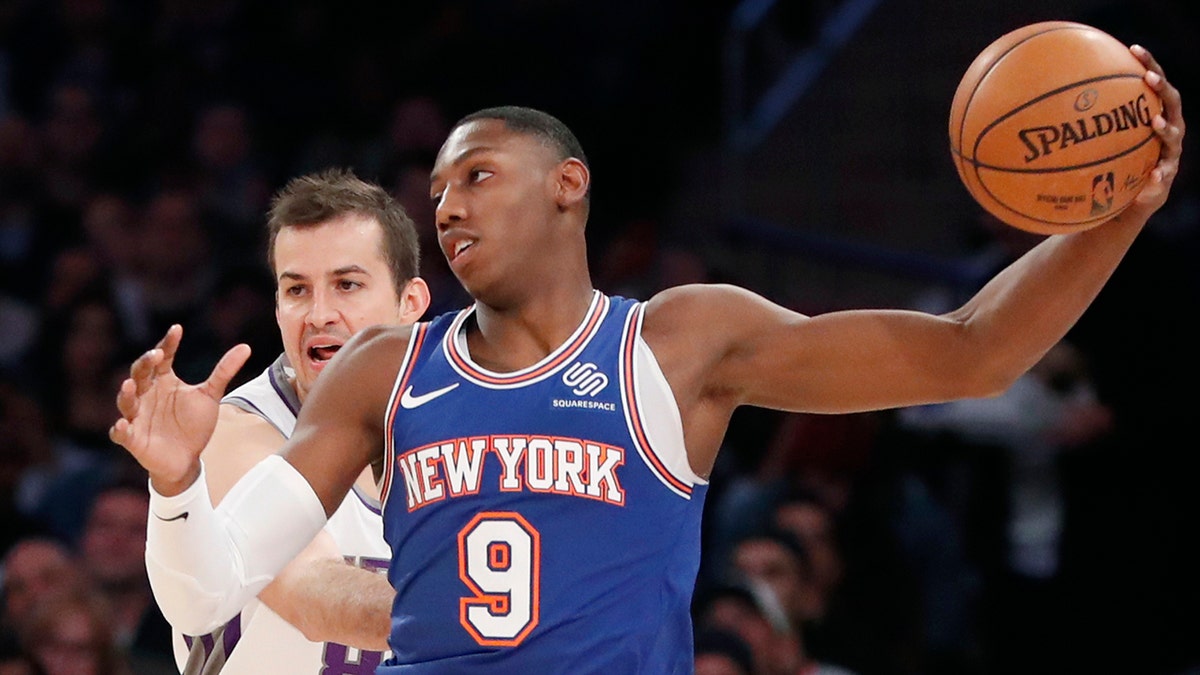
(478, 175)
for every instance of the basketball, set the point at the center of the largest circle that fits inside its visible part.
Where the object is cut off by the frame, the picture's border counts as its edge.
(1050, 127)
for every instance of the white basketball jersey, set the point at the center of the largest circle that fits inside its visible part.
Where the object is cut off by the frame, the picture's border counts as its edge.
(258, 641)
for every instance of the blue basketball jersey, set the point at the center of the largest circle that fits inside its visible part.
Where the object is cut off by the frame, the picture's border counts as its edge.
(544, 520)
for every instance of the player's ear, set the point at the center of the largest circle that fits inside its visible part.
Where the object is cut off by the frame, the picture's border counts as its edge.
(573, 181)
(414, 300)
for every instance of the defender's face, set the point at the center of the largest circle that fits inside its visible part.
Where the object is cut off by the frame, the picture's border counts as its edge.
(331, 281)
(493, 191)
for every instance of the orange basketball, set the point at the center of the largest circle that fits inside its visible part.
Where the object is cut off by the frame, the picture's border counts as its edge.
(1050, 127)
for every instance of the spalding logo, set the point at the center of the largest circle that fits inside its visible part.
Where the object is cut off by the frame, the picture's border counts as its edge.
(1042, 141)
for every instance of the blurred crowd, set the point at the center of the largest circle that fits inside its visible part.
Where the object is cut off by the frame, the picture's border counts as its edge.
(1046, 530)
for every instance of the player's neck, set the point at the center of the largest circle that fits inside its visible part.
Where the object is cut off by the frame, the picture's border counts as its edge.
(520, 335)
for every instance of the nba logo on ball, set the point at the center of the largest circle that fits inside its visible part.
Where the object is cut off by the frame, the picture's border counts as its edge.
(1050, 128)
(1102, 194)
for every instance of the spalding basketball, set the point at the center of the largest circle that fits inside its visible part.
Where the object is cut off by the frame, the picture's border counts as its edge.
(1050, 127)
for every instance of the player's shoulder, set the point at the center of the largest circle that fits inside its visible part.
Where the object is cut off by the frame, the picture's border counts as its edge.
(677, 303)
(239, 419)
(240, 439)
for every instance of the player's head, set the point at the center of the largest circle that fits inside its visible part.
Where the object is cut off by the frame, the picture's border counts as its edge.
(542, 126)
(511, 187)
(344, 256)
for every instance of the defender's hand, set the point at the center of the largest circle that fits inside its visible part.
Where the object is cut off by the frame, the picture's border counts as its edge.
(165, 422)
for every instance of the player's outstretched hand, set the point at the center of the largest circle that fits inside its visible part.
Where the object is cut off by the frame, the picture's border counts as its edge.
(1170, 128)
(165, 422)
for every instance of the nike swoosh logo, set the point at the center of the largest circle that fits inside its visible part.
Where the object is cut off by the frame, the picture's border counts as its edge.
(407, 400)
(182, 516)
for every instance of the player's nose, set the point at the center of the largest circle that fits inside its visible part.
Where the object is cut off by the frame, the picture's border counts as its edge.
(451, 208)
(324, 310)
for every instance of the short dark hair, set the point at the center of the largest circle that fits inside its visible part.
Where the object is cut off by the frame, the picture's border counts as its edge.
(317, 198)
(546, 127)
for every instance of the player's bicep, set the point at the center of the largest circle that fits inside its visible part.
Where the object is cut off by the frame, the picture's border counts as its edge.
(851, 361)
(240, 440)
(715, 343)
(756, 352)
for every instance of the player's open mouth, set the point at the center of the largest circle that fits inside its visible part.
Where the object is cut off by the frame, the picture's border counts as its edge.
(322, 353)
(459, 247)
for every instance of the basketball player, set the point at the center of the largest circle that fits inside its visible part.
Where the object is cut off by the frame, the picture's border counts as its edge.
(547, 448)
(344, 256)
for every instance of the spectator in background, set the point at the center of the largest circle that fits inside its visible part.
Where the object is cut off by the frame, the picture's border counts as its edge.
(82, 350)
(417, 127)
(241, 297)
(35, 570)
(175, 267)
(751, 613)
(722, 652)
(812, 524)
(778, 560)
(230, 180)
(71, 155)
(27, 463)
(21, 245)
(111, 550)
(72, 634)
(1052, 410)
(750, 609)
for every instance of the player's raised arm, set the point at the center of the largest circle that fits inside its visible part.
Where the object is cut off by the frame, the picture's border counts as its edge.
(721, 346)
(226, 556)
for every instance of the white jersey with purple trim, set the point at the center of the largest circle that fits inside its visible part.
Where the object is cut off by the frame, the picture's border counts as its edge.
(544, 520)
(258, 641)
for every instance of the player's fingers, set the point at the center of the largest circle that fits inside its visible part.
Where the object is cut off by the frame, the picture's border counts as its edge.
(1168, 94)
(143, 368)
(169, 345)
(121, 433)
(1146, 58)
(1171, 136)
(226, 368)
(127, 399)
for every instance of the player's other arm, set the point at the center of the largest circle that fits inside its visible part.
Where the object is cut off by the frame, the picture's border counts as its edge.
(318, 592)
(329, 600)
(232, 553)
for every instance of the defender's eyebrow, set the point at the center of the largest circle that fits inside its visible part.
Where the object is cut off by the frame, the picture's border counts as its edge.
(348, 269)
